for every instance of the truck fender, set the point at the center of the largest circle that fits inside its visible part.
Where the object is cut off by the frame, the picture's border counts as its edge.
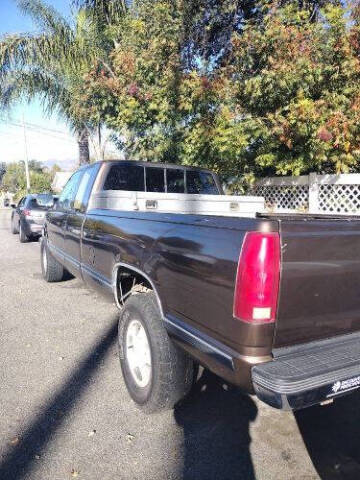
(138, 271)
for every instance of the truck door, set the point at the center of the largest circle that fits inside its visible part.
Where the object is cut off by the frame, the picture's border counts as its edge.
(75, 218)
(56, 218)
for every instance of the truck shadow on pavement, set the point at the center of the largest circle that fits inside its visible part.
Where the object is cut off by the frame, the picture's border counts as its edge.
(215, 419)
(18, 461)
(332, 437)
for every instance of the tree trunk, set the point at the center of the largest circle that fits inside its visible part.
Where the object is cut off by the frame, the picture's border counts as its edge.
(83, 143)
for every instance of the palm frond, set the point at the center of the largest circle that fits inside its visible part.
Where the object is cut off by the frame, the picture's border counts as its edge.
(45, 16)
(19, 51)
(53, 94)
(26, 85)
(104, 12)
(50, 65)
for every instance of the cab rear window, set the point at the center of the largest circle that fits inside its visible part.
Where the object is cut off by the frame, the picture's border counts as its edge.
(42, 202)
(138, 178)
(125, 177)
(175, 180)
(155, 180)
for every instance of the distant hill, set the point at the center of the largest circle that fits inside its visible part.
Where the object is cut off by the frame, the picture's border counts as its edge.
(65, 165)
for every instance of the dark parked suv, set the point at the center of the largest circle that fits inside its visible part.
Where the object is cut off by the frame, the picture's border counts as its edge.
(28, 216)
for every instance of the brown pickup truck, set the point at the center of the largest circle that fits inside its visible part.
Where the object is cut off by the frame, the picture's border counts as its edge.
(271, 303)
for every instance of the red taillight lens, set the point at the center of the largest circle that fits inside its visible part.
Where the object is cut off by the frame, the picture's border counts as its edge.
(257, 280)
(26, 212)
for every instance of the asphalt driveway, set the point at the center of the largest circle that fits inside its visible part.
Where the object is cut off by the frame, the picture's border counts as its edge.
(65, 412)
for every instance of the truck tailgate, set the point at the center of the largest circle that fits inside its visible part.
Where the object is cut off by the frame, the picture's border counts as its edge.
(320, 279)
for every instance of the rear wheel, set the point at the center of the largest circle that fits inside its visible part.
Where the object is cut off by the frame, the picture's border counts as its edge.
(52, 270)
(14, 226)
(22, 235)
(157, 373)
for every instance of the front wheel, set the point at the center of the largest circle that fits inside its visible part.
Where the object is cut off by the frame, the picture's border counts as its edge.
(157, 373)
(52, 270)
(22, 235)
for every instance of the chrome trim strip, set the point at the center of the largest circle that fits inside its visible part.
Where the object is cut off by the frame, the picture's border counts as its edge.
(81, 266)
(97, 276)
(72, 260)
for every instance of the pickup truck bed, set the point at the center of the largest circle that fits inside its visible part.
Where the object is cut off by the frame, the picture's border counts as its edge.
(269, 303)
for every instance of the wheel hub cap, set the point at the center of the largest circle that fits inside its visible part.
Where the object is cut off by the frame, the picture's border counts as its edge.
(138, 353)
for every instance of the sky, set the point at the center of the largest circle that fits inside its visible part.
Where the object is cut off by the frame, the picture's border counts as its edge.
(48, 139)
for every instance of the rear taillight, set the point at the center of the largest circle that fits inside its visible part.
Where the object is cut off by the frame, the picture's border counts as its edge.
(26, 212)
(257, 280)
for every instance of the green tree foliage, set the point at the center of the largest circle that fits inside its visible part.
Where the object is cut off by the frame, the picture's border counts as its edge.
(14, 179)
(139, 93)
(245, 88)
(210, 24)
(297, 86)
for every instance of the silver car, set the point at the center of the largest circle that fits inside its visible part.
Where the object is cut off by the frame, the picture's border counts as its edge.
(28, 215)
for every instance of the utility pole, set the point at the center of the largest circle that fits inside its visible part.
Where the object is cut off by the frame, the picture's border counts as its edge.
(26, 158)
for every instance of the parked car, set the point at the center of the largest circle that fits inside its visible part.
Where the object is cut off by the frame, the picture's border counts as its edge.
(6, 202)
(28, 216)
(268, 302)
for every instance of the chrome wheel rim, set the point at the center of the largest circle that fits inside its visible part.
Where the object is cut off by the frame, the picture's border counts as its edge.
(45, 260)
(138, 353)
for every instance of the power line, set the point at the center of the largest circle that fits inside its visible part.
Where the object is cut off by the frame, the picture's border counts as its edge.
(35, 127)
(43, 131)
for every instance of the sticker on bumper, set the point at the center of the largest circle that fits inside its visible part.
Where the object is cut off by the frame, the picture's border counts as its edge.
(342, 386)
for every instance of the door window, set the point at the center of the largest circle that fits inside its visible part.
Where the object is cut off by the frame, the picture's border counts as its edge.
(84, 190)
(66, 200)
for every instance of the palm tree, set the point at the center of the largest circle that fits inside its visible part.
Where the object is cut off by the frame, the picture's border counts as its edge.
(52, 64)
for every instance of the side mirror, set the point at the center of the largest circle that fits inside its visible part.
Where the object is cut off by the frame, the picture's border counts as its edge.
(12, 205)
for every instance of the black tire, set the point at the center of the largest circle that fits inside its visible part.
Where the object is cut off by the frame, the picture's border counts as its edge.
(22, 235)
(14, 228)
(52, 270)
(171, 369)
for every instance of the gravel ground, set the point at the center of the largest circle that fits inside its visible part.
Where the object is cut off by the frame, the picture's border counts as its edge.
(65, 412)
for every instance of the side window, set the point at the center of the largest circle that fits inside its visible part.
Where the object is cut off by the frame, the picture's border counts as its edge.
(68, 194)
(155, 181)
(201, 182)
(175, 180)
(83, 193)
(125, 177)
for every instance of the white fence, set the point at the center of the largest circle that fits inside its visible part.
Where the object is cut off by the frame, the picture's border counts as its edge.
(311, 193)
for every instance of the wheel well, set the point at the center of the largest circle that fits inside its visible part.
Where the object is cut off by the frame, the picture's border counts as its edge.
(129, 281)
